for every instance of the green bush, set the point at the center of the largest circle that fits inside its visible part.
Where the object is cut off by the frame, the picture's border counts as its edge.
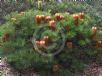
(19, 50)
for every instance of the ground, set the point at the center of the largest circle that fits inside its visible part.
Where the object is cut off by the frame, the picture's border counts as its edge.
(93, 69)
(6, 70)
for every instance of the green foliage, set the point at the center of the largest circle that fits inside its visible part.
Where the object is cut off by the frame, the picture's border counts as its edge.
(21, 53)
(76, 6)
(99, 34)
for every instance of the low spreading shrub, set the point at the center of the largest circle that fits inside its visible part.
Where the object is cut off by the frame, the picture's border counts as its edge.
(23, 31)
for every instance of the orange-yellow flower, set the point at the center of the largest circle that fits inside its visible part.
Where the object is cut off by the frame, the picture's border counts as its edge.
(56, 67)
(13, 19)
(38, 19)
(94, 30)
(81, 15)
(59, 17)
(21, 13)
(48, 18)
(76, 18)
(99, 43)
(52, 24)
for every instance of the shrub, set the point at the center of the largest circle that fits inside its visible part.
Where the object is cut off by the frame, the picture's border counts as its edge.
(18, 33)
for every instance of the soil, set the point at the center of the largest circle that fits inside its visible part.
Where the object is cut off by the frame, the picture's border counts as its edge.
(6, 70)
(93, 69)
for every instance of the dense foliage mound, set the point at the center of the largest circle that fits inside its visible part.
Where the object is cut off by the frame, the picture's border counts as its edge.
(23, 31)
